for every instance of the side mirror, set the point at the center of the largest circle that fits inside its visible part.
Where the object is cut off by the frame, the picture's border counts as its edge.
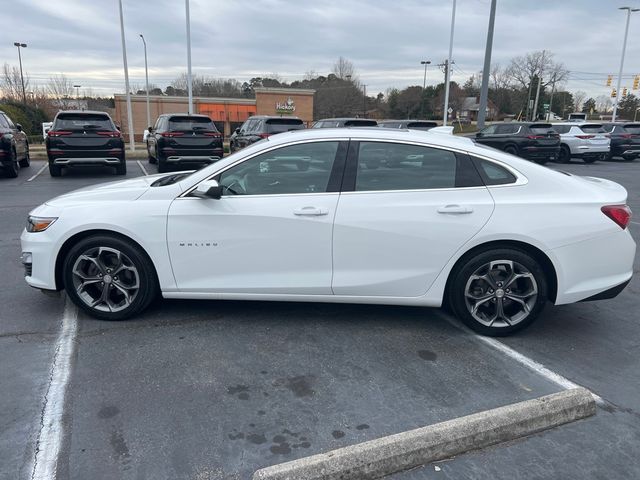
(208, 189)
(479, 134)
(150, 129)
(118, 127)
(19, 127)
(237, 130)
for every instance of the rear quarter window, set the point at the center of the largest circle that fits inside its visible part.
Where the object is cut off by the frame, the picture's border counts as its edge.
(492, 173)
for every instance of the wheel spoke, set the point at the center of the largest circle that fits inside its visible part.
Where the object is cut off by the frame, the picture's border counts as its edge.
(517, 276)
(88, 281)
(520, 301)
(125, 292)
(480, 303)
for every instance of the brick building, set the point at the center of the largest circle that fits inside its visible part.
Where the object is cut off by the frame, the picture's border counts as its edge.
(227, 113)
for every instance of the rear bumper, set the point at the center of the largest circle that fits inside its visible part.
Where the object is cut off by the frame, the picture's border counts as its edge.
(86, 161)
(192, 159)
(536, 153)
(608, 294)
(627, 151)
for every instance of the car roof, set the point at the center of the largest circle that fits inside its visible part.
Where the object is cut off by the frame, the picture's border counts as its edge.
(345, 119)
(175, 114)
(88, 112)
(268, 117)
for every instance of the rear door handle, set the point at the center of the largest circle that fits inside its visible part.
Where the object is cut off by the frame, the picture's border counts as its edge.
(311, 211)
(455, 209)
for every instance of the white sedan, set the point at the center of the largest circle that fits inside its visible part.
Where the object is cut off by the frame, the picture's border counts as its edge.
(341, 215)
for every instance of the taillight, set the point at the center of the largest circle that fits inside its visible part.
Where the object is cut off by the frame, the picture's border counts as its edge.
(626, 135)
(534, 137)
(212, 134)
(172, 134)
(264, 135)
(109, 133)
(585, 137)
(58, 133)
(621, 214)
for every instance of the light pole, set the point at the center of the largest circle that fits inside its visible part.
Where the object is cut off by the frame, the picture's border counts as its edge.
(21, 45)
(189, 84)
(146, 77)
(635, 114)
(624, 49)
(424, 84)
(132, 142)
(484, 89)
(448, 75)
(77, 87)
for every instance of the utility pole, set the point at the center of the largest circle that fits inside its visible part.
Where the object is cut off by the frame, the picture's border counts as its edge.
(19, 46)
(146, 77)
(189, 83)
(529, 99)
(364, 101)
(484, 90)
(553, 89)
(448, 70)
(132, 142)
(424, 86)
(535, 104)
(624, 49)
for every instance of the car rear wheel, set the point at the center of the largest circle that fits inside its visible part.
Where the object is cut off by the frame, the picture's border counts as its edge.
(565, 154)
(109, 278)
(122, 168)
(498, 292)
(55, 170)
(26, 161)
(162, 165)
(589, 159)
(511, 149)
(12, 167)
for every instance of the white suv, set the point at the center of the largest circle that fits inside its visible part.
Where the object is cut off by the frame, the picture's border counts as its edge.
(587, 141)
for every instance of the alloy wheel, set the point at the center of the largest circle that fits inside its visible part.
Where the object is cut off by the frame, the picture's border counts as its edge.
(501, 293)
(105, 279)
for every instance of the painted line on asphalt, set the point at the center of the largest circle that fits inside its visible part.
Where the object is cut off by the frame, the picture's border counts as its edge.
(524, 360)
(144, 170)
(38, 172)
(51, 434)
(635, 223)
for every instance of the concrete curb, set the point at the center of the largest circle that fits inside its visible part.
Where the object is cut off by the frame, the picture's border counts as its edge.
(394, 453)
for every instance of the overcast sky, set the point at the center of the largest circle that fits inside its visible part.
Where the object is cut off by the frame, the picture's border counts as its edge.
(245, 38)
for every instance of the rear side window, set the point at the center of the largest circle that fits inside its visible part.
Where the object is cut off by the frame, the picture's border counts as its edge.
(506, 129)
(562, 128)
(396, 166)
(191, 123)
(634, 128)
(83, 121)
(492, 173)
(421, 125)
(360, 123)
(3, 121)
(490, 130)
(279, 125)
(540, 128)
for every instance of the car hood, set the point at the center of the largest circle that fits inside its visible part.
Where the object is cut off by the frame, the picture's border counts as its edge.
(121, 190)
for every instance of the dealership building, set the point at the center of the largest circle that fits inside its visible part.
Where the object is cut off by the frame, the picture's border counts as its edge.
(227, 113)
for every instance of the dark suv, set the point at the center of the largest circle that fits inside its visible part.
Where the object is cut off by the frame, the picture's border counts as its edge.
(178, 139)
(625, 139)
(14, 147)
(84, 138)
(412, 124)
(534, 141)
(345, 122)
(261, 126)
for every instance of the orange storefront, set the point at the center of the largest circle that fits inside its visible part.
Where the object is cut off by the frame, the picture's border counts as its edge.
(227, 113)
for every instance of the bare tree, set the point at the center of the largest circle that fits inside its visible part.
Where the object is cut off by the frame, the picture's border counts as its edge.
(578, 99)
(11, 82)
(61, 89)
(524, 69)
(603, 103)
(344, 69)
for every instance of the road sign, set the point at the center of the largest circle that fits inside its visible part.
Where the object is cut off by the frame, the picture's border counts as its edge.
(450, 110)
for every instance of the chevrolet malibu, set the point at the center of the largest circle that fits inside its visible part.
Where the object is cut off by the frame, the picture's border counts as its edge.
(357, 215)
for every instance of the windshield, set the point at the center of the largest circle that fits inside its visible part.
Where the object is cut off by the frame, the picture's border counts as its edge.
(83, 121)
(188, 124)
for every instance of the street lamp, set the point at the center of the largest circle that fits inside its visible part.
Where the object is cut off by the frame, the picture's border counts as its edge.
(424, 84)
(189, 78)
(21, 45)
(132, 142)
(624, 48)
(635, 114)
(77, 87)
(146, 76)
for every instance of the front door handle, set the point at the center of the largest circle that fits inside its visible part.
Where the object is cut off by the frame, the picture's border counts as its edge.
(311, 211)
(455, 209)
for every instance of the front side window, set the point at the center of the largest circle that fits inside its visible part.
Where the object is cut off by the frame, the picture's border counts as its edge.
(397, 166)
(302, 168)
(490, 130)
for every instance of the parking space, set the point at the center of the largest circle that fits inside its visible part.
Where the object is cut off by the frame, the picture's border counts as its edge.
(208, 390)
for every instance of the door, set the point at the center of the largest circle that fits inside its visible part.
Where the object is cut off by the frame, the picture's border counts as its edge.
(410, 209)
(270, 232)
(19, 137)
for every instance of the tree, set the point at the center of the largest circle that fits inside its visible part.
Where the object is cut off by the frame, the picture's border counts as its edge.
(61, 89)
(589, 106)
(534, 65)
(344, 69)
(11, 82)
(472, 86)
(603, 103)
(627, 106)
(578, 99)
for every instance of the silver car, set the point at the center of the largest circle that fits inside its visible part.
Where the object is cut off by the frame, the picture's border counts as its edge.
(587, 141)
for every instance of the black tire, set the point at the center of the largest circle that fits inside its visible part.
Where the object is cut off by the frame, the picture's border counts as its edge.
(541, 161)
(26, 161)
(162, 165)
(55, 170)
(565, 154)
(12, 167)
(466, 277)
(511, 149)
(132, 258)
(150, 157)
(122, 168)
(589, 159)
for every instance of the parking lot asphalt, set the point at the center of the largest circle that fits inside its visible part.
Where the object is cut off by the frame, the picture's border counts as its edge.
(208, 390)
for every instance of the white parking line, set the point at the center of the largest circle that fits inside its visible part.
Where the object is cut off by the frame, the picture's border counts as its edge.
(635, 223)
(51, 432)
(526, 361)
(38, 172)
(144, 170)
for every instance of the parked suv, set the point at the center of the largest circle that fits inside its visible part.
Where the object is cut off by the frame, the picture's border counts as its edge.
(587, 141)
(345, 122)
(178, 139)
(412, 124)
(625, 140)
(84, 138)
(534, 141)
(261, 126)
(14, 147)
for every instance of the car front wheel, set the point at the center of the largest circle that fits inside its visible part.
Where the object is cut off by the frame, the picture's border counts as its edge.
(109, 278)
(498, 292)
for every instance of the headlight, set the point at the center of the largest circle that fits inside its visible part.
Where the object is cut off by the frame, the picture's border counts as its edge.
(39, 224)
